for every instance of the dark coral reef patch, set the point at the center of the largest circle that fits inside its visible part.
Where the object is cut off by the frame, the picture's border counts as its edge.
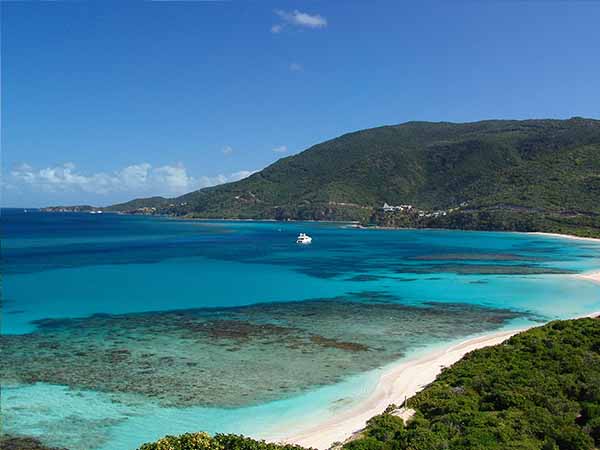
(235, 356)
(23, 443)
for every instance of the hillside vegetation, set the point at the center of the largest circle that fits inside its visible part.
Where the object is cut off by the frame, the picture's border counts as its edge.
(508, 175)
(203, 441)
(538, 391)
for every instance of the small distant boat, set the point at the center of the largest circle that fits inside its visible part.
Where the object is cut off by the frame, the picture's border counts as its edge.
(303, 238)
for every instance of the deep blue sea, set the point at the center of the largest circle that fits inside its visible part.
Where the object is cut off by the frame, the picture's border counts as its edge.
(120, 329)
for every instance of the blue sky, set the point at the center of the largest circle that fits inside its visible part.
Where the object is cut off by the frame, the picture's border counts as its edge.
(106, 101)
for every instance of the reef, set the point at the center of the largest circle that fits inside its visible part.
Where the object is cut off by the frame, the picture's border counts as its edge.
(23, 443)
(230, 357)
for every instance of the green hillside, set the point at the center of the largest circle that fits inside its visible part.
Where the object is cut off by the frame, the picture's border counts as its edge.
(514, 175)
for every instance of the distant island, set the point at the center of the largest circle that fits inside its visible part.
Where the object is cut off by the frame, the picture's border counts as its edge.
(503, 175)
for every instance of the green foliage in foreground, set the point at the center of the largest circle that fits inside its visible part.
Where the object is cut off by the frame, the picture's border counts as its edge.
(538, 391)
(203, 441)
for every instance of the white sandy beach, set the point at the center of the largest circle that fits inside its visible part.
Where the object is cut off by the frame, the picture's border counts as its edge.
(400, 381)
(567, 236)
(395, 384)
(590, 276)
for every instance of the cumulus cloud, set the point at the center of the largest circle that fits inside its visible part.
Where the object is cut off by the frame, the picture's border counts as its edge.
(280, 149)
(63, 177)
(227, 150)
(174, 177)
(298, 19)
(136, 179)
(236, 176)
(206, 181)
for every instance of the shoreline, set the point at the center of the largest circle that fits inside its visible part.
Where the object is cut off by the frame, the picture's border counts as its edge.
(399, 381)
(357, 225)
(594, 277)
(564, 236)
(539, 233)
(395, 384)
(354, 223)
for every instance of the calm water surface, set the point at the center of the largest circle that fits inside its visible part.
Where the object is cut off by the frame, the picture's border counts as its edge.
(120, 329)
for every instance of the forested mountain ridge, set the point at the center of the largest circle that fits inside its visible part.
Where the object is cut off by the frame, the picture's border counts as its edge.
(498, 174)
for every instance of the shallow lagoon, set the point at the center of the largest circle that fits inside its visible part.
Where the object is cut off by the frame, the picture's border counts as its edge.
(319, 318)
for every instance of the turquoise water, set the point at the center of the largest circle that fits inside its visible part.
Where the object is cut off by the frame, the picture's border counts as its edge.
(217, 308)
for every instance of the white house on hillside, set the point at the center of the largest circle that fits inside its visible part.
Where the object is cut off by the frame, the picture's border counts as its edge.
(389, 208)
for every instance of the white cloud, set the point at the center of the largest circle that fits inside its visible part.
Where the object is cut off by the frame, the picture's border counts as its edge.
(227, 150)
(302, 19)
(135, 175)
(136, 179)
(173, 177)
(220, 179)
(281, 149)
(207, 181)
(236, 176)
(296, 67)
(298, 19)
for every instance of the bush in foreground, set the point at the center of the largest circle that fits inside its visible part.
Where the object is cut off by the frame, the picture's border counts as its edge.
(203, 441)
